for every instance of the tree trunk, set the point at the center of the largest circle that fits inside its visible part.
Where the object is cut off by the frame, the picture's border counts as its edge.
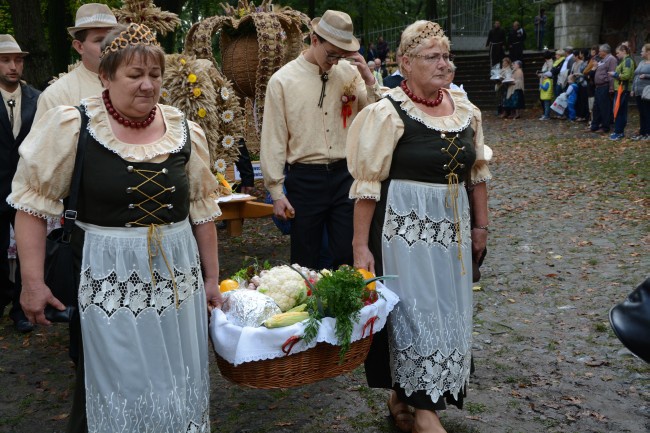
(59, 19)
(168, 42)
(28, 27)
(311, 8)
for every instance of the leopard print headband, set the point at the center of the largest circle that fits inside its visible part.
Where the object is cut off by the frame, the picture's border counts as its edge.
(134, 35)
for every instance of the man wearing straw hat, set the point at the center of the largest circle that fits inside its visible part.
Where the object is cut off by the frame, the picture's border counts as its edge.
(16, 117)
(310, 104)
(92, 23)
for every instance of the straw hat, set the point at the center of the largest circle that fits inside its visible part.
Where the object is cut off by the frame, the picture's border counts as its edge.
(93, 16)
(8, 45)
(336, 28)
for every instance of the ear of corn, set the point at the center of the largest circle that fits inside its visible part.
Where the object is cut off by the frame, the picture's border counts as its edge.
(286, 319)
(298, 308)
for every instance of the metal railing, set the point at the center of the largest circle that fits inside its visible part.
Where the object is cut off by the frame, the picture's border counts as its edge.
(469, 18)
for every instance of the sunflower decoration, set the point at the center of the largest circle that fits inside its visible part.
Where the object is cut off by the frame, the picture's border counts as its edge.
(255, 41)
(145, 12)
(197, 88)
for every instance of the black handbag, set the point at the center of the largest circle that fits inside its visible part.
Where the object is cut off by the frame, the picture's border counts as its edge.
(61, 274)
(630, 321)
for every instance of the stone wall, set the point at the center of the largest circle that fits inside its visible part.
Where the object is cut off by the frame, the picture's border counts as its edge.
(578, 23)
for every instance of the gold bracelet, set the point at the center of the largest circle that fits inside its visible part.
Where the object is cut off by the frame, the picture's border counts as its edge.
(486, 228)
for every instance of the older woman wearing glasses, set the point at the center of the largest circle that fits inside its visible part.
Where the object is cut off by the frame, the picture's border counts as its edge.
(411, 156)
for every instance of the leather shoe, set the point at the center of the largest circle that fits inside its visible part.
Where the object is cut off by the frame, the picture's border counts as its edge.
(23, 326)
(630, 321)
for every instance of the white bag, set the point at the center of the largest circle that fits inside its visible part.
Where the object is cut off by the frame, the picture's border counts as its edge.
(560, 104)
(645, 95)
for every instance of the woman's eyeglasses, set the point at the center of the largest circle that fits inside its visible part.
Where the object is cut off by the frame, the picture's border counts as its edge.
(435, 58)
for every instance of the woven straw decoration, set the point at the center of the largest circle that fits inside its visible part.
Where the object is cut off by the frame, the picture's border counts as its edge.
(279, 37)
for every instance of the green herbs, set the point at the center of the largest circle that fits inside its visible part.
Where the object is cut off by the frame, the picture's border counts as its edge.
(337, 294)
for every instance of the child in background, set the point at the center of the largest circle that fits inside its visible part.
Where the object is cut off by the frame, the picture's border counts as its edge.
(546, 96)
(572, 98)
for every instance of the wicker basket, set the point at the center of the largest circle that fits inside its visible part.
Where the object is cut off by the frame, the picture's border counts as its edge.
(318, 363)
(240, 58)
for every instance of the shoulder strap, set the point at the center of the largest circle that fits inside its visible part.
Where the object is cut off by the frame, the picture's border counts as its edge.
(70, 214)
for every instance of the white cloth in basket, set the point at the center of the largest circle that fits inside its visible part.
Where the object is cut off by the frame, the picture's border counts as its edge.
(238, 344)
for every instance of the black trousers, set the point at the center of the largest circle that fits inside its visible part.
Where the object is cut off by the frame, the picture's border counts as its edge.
(9, 291)
(602, 115)
(319, 193)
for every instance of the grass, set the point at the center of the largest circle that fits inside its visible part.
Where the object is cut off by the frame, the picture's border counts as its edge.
(601, 327)
(475, 408)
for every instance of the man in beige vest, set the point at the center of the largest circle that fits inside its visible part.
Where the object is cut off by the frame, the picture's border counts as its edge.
(93, 22)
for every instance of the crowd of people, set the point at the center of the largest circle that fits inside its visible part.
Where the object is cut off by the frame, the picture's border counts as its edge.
(583, 85)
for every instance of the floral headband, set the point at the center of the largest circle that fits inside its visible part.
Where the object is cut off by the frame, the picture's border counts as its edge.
(430, 29)
(134, 35)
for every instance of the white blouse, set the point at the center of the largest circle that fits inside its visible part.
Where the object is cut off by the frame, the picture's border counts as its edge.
(47, 157)
(377, 128)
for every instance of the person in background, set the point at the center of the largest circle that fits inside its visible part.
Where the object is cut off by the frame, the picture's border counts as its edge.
(577, 70)
(623, 76)
(146, 237)
(408, 168)
(558, 87)
(565, 70)
(379, 75)
(641, 82)
(372, 65)
(501, 88)
(572, 98)
(515, 94)
(604, 81)
(362, 48)
(589, 73)
(312, 90)
(372, 52)
(451, 74)
(546, 96)
(540, 27)
(382, 50)
(496, 42)
(93, 21)
(516, 39)
(16, 117)
(396, 77)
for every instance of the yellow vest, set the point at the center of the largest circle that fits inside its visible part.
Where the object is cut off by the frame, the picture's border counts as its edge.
(546, 95)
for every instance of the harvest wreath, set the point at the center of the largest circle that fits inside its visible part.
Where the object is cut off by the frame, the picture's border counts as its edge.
(288, 326)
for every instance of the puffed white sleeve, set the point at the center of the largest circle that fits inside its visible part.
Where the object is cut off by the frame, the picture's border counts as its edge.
(373, 135)
(203, 184)
(480, 169)
(47, 157)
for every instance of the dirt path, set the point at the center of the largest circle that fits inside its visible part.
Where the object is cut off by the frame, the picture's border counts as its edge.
(569, 239)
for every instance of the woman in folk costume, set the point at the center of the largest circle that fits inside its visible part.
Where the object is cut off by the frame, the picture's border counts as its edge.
(410, 154)
(145, 235)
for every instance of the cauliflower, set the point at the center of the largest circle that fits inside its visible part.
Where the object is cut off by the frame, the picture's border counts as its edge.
(284, 285)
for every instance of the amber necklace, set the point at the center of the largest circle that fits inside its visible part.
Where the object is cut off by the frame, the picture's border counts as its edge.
(126, 122)
(415, 98)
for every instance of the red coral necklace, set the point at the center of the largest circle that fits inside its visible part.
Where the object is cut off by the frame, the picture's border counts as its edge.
(415, 98)
(126, 122)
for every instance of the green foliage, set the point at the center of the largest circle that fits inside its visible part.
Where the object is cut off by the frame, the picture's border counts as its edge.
(524, 11)
(251, 266)
(338, 295)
